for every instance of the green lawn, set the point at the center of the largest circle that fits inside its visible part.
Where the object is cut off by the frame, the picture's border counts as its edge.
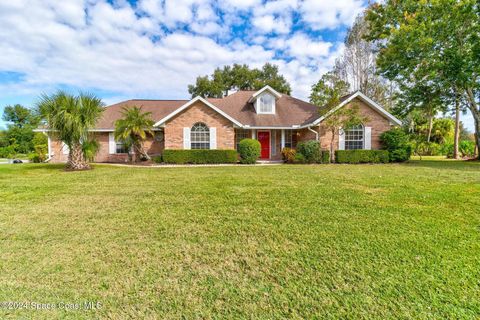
(320, 241)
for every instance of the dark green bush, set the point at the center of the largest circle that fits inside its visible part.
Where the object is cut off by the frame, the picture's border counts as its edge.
(394, 140)
(362, 156)
(249, 150)
(312, 152)
(299, 158)
(157, 159)
(198, 156)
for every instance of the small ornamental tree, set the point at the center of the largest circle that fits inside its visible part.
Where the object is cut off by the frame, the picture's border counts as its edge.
(133, 129)
(326, 94)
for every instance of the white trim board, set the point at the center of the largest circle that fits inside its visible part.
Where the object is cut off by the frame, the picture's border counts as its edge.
(190, 103)
(266, 88)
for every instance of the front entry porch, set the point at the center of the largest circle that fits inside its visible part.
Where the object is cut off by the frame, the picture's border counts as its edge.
(272, 141)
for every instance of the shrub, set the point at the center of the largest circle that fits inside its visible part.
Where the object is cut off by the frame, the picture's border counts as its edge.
(198, 156)
(299, 158)
(34, 157)
(312, 152)
(467, 148)
(394, 140)
(7, 152)
(362, 156)
(288, 155)
(249, 150)
(157, 159)
(39, 155)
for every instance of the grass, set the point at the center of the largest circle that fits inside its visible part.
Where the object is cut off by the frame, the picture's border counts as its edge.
(319, 241)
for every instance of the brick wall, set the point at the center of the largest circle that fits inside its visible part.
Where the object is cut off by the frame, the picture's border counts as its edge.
(199, 112)
(152, 146)
(376, 121)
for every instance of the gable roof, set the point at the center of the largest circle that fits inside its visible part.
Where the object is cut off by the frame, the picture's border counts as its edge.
(346, 99)
(190, 103)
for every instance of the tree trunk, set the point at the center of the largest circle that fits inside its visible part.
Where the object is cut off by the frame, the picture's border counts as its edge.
(472, 105)
(76, 160)
(477, 134)
(332, 144)
(430, 127)
(457, 129)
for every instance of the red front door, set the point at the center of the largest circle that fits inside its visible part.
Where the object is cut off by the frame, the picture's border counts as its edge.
(264, 138)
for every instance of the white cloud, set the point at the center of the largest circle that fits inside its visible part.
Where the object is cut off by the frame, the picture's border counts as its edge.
(145, 50)
(330, 14)
(301, 46)
(270, 23)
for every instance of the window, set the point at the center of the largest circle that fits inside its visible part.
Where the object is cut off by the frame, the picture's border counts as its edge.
(354, 138)
(266, 103)
(159, 136)
(120, 147)
(241, 134)
(290, 138)
(273, 142)
(200, 136)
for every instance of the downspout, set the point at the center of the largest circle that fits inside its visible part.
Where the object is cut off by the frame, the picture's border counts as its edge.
(316, 132)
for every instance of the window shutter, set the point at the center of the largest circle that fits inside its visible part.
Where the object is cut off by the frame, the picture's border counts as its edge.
(368, 138)
(111, 143)
(341, 140)
(213, 138)
(186, 138)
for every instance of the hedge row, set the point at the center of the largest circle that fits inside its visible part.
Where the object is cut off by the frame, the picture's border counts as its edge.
(197, 156)
(362, 156)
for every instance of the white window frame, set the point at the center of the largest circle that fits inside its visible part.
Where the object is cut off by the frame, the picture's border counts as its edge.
(245, 134)
(288, 138)
(355, 131)
(120, 145)
(195, 134)
(259, 104)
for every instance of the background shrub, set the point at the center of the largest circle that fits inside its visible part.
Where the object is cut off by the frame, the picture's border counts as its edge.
(199, 156)
(467, 148)
(397, 143)
(157, 159)
(7, 152)
(288, 155)
(299, 158)
(312, 152)
(40, 154)
(249, 150)
(362, 156)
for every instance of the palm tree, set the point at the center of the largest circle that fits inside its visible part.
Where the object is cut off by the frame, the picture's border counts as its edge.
(133, 128)
(70, 118)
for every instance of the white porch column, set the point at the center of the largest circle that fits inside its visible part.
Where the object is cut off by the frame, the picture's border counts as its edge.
(254, 134)
(282, 141)
(49, 146)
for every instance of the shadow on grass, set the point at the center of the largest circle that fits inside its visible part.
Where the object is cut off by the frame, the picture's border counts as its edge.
(462, 165)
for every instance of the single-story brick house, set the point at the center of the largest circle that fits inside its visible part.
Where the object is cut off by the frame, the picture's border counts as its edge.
(276, 120)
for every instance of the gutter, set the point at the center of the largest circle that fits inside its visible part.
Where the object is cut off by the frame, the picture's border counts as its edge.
(316, 132)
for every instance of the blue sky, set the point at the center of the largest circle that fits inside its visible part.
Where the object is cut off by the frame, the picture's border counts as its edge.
(155, 48)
